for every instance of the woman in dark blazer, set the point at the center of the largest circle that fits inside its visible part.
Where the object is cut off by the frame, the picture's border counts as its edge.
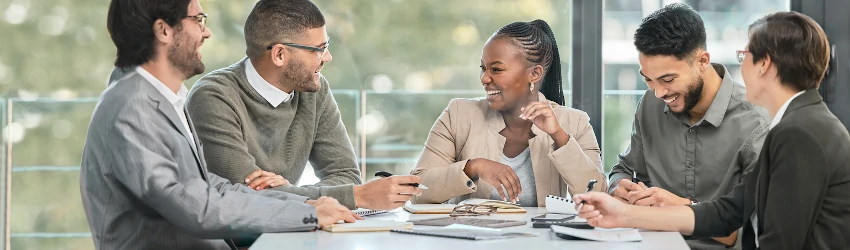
(798, 196)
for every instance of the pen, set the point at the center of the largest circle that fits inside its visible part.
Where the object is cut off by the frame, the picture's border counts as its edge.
(387, 174)
(634, 176)
(635, 180)
(589, 187)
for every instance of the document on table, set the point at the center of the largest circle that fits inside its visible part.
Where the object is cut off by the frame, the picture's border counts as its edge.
(624, 235)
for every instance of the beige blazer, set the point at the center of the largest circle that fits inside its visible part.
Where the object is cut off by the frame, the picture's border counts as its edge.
(468, 129)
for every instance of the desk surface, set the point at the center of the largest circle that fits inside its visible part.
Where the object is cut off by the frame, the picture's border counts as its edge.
(387, 240)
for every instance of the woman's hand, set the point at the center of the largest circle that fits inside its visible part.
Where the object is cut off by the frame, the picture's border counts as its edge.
(498, 175)
(601, 210)
(543, 116)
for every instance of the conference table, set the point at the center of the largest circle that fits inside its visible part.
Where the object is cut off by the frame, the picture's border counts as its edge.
(388, 240)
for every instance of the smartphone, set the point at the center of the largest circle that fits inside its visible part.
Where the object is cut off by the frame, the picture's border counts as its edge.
(553, 217)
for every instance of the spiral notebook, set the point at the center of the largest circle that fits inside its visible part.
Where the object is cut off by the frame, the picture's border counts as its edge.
(560, 205)
(367, 212)
(466, 234)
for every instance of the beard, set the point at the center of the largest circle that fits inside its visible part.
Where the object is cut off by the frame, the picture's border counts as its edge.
(299, 77)
(183, 54)
(693, 95)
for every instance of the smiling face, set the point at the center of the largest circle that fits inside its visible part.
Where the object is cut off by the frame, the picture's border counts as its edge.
(506, 75)
(302, 71)
(676, 82)
(184, 53)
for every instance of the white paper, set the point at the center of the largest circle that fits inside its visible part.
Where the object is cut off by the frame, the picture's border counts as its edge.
(626, 235)
(462, 226)
(560, 205)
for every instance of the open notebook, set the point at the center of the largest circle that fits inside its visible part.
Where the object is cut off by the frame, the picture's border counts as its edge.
(502, 207)
(368, 226)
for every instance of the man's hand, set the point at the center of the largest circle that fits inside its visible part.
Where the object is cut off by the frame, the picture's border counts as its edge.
(626, 186)
(387, 193)
(498, 175)
(259, 180)
(601, 210)
(656, 197)
(330, 211)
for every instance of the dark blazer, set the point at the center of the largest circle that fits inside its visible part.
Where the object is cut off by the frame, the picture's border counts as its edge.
(800, 189)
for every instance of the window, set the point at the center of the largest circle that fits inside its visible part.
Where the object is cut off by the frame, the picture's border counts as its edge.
(726, 23)
(396, 65)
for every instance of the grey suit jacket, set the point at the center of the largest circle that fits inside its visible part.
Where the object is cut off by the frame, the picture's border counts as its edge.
(145, 185)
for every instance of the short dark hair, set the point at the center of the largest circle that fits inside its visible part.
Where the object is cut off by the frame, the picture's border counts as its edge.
(274, 21)
(795, 43)
(674, 30)
(130, 25)
(538, 41)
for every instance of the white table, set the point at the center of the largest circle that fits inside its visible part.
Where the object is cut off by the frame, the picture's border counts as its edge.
(387, 240)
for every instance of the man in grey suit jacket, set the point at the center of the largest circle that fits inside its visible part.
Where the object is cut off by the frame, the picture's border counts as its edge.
(143, 179)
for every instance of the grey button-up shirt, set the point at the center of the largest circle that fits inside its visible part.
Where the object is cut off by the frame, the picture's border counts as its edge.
(700, 161)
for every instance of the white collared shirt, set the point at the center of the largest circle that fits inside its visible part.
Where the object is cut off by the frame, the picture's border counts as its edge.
(272, 94)
(773, 123)
(178, 100)
(782, 109)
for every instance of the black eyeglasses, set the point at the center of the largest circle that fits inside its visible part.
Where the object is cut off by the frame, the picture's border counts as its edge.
(320, 50)
(202, 19)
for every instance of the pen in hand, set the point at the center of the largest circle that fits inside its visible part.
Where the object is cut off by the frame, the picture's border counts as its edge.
(634, 177)
(387, 174)
(589, 187)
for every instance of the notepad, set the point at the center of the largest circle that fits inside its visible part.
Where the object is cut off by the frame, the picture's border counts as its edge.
(502, 207)
(367, 212)
(368, 226)
(467, 234)
(560, 205)
(624, 235)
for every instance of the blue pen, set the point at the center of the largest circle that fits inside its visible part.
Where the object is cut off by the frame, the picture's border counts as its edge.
(387, 174)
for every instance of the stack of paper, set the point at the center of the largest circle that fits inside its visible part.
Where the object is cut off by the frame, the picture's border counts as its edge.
(624, 235)
(368, 226)
(501, 207)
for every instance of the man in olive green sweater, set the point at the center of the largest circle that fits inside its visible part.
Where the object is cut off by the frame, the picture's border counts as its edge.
(262, 119)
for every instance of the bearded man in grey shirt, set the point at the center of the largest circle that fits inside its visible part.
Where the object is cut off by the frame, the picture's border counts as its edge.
(694, 134)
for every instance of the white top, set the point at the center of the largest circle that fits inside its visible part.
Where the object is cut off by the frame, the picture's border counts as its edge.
(272, 94)
(773, 123)
(521, 164)
(178, 100)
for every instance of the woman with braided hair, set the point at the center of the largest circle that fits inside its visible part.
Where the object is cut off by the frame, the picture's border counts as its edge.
(519, 143)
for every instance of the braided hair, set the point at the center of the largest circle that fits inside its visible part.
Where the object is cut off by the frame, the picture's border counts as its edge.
(538, 41)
